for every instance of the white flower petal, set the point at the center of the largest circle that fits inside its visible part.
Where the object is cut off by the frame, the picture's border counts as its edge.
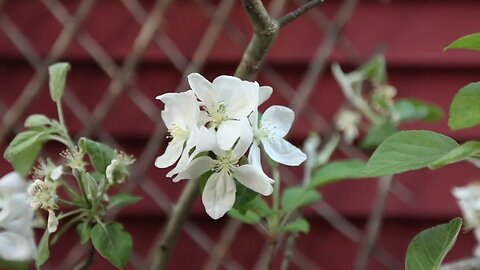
(218, 195)
(277, 120)
(13, 183)
(15, 247)
(56, 173)
(254, 179)
(228, 133)
(206, 140)
(16, 214)
(195, 169)
(52, 222)
(264, 93)
(283, 152)
(254, 156)
(244, 141)
(181, 109)
(239, 97)
(203, 89)
(172, 153)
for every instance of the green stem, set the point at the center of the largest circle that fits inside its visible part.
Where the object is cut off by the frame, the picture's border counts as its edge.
(65, 227)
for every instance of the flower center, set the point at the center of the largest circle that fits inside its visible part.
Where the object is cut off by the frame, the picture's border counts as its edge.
(218, 116)
(177, 132)
(224, 163)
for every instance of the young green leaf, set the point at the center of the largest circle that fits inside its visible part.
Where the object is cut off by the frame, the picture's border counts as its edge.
(112, 242)
(243, 196)
(336, 171)
(378, 134)
(428, 248)
(296, 197)
(13, 265)
(37, 120)
(83, 230)
(101, 155)
(123, 199)
(414, 109)
(23, 150)
(460, 153)
(468, 42)
(298, 225)
(43, 250)
(248, 216)
(464, 110)
(408, 150)
(57, 77)
(375, 70)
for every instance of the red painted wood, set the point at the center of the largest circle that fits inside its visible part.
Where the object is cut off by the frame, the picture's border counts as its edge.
(411, 33)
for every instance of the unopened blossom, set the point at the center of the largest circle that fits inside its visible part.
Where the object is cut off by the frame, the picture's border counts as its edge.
(347, 122)
(181, 115)
(270, 131)
(17, 241)
(219, 193)
(44, 196)
(468, 199)
(118, 169)
(383, 98)
(226, 100)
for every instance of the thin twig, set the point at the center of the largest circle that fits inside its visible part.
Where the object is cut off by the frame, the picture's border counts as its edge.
(175, 224)
(88, 261)
(298, 12)
(464, 264)
(374, 223)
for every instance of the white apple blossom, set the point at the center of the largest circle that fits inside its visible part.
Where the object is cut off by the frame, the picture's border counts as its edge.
(468, 199)
(219, 193)
(181, 116)
(44, 195)
(226, 100)
(270, 132)
(17, 241)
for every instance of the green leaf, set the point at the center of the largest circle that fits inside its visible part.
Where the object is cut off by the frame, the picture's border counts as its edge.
(414, 109)
(243, 195)
(43, 250)
(123, 199)
(37, 120)
(298, 225)
(428, 248)
(247, 216)
(14, 265)
(375, 70)
(112, 242)
(465, 109)
(23, 150)
(57, 77)
(296, 197)
(378, 134)
(460, 153)
(337, 170)
(89, 185)
(408, 150)
(101, 155)
(83, 230)
(468, 42)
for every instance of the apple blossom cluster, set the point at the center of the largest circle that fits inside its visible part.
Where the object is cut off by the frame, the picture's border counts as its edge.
(468, 199)
(213, 126)
(17, 242)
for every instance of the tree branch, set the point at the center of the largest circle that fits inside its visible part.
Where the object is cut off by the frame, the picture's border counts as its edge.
(175, 224)
(265, 30)
(298, 12)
